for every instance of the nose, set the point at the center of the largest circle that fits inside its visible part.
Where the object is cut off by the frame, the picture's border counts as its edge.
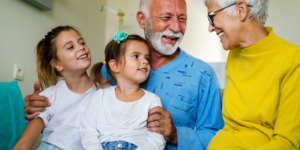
(174, 25)
(145, 61)
(211, 28)
(81, 48)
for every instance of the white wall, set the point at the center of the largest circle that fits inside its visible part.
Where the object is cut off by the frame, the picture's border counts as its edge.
(285, 20)
(130, 24)
(22, 26)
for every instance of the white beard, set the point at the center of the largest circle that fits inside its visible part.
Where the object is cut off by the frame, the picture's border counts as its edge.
(155, 39)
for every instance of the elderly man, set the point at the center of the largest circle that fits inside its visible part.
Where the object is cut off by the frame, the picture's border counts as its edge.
(261, 99)
(187, 86)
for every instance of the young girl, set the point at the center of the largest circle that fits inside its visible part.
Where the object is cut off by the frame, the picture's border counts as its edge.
(62, 53)
(116, 117)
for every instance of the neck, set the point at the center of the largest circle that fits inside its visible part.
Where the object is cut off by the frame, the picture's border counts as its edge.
(128, 92)
(158, 60)
(254, 33)
(127, 89)
(78, 82)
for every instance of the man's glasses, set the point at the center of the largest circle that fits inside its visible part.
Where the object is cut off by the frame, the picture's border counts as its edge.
(210, 15)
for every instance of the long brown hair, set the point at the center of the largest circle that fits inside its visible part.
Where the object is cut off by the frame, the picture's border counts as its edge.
(115, 51)
(45, 52)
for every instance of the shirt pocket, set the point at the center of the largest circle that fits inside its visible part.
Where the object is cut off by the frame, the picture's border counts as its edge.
(180, 112)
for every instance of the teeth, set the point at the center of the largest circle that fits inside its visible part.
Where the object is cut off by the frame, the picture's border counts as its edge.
(171, 37)
(143, 70)
(221, 34)
(83, 56)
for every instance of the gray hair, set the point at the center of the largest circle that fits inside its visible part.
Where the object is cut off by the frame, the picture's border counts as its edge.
(144, 7)
(259, 11)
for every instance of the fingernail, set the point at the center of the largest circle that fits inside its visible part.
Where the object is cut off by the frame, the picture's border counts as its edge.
(47, 99)
(49, 104)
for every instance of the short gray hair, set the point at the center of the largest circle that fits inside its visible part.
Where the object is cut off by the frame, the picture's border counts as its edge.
(144, 7)
(259, 11)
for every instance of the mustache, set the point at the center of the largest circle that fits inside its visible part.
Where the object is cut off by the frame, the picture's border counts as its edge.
(171, 33)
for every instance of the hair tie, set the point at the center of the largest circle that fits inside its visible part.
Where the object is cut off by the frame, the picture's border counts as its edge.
(104, 62)
(120, 36)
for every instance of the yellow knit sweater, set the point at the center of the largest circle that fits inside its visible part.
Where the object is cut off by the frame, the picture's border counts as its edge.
(261, 101)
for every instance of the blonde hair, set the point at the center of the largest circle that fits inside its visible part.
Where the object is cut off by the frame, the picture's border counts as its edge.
(45, 53)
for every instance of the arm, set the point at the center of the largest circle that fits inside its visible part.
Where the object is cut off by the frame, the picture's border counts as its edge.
(30, 134)
(154, 140)
(35, 103)
(287, 126)
(88, 126)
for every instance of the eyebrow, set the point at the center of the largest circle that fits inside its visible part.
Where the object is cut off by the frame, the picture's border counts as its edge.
(139, 53)
(169, 13)
(71, 42)
(136, 53)
(80, 39)
(67, 44)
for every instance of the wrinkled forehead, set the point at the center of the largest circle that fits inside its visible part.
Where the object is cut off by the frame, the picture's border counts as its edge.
(177, 7)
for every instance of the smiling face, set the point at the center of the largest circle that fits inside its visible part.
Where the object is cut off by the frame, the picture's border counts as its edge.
(73, 55)
(136, 66)
(226, 27)
(165, 25)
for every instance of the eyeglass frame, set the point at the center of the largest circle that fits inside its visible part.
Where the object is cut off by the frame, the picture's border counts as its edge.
(209, 16)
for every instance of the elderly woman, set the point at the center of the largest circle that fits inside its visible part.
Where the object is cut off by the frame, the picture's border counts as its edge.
(261, 101)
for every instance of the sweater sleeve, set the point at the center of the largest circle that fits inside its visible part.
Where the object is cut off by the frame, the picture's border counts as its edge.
(88, 125)
(287, 126)
(209, 116)
(155, 141)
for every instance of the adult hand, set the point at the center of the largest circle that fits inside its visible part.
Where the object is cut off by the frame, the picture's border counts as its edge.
(35, 103)
(160, 121)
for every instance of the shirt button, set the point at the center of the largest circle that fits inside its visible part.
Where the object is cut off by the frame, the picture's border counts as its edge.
(120, 145)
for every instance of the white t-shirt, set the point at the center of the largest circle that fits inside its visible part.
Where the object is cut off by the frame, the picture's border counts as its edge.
(62, 118)
(108, 119)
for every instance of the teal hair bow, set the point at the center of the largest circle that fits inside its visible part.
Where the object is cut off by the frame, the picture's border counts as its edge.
(120, 36)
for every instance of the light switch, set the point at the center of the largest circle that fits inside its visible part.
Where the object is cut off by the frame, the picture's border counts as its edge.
(18, 72)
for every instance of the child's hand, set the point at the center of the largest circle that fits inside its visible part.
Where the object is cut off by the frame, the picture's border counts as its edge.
(160, 121)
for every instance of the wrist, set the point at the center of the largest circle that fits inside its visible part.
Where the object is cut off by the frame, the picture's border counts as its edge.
(174, 139)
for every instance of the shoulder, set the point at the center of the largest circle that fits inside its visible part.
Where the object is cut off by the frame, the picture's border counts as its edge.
(199, 66)
(104, 90)
(294, 55)
(153, 98)
(290, 55)
(52, 89)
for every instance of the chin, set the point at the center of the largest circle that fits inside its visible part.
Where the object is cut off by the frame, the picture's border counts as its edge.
(225, 46)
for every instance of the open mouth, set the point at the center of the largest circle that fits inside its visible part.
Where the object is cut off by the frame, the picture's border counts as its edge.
(143, 69)
(83, 56)
(221, 35)
(171, 39)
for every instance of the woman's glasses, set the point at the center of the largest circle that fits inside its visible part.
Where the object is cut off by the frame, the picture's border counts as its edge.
(210, 15)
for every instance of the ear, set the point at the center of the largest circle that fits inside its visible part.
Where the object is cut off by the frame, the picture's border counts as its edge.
(113, 66)
(140, 17)
(242, 10)
(55, 64)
